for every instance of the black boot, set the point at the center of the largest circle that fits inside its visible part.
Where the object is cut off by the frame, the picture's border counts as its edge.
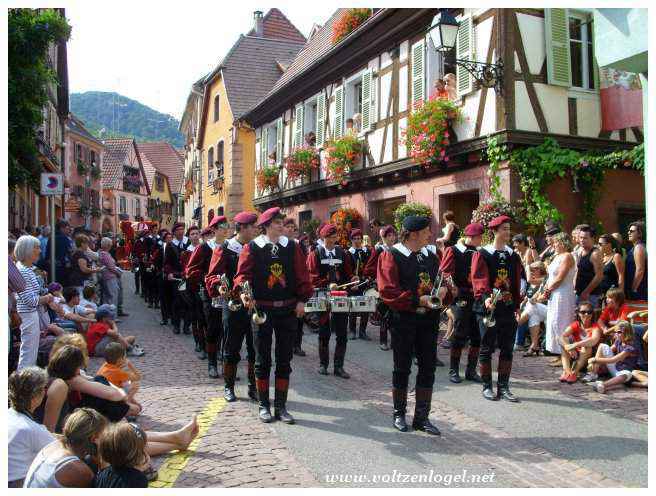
(299, 351)
(504, 393)
(400, 398)
(252, 390)
(324, 356)
(486, 379)
(280, 402)
(420, 421)
(176, 327)
(472, 361)
(263, 397)
(454, 365)
(229, 372)
(363, 335)
(186, 329)
(164, 322)
(503, 379)
(212, 369)
(338, 361)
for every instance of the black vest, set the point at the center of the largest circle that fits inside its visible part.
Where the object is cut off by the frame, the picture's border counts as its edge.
(232, 260)
(274, 278)
(585, 274)
(418, 272)
(462, 269)
(360, 255)
(501, 269)
(334, 273)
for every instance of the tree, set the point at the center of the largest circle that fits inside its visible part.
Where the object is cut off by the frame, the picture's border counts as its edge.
(30, 33)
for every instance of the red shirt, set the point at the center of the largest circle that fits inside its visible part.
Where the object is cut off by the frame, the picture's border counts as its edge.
(577, 331)
(95, 333)
(610, 315)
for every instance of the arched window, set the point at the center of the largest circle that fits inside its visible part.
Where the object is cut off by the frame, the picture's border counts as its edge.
(210, 158)
(219, 153)
(216, 107)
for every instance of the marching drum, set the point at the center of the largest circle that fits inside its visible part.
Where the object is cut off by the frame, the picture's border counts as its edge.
(363, 304)
(339, 302)
(217, 302)
(373, 292)
(318, 303)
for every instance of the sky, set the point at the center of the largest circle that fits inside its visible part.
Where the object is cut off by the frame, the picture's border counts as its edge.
(153, 52)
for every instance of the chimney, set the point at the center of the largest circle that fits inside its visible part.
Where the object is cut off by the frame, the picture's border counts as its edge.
(258, 26)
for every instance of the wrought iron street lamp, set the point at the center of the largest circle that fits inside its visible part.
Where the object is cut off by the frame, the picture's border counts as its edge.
(444, 35)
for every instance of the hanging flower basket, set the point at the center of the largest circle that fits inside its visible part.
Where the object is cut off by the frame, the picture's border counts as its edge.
(427, 134)
(406, 209)
(81, 168)
(95, 172)
(342, 154)
(349, 22)
(96, 212)
(301, 162)
(268, 178)
(346, 219)
(488, 210)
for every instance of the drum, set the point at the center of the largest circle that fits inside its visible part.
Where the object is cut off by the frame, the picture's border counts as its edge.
(217, 302)
(363, 304)
(316, 304)
(339, 302)
(372, 292)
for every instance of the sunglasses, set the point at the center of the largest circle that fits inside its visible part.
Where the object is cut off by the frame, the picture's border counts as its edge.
(585, 312)
(633, 230)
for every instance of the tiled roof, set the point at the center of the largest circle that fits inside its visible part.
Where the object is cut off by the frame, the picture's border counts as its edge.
(250, 70)
(163, 158)
(116, 153)
(75, 125)
(276, 25)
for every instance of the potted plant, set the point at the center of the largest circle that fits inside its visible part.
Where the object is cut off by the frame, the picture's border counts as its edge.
(345, 219)
(427, 133)
(95, 172)
(341, 154)
(406, 209)
(95, 212)
(349, 22)
(268, 178)
(301, 162)
(81, 168)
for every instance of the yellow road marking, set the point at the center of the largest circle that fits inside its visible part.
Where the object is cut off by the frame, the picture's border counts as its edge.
(176, 462)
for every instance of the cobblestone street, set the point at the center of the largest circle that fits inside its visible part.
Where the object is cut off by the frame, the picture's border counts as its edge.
(344, 429)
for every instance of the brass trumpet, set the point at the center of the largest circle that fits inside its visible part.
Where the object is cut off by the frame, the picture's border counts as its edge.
(233, 305)
(333, 285)
(257, 318)
(489, 319)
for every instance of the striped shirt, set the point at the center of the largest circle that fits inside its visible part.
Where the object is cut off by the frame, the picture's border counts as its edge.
(28, 299)
(16, 283)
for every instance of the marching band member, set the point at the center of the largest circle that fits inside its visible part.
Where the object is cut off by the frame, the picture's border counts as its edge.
(190, 316)
(407, 274)
(329, 265)
(291, 231)
(237, 324)
(359, 256)
(179, 243)
(456, 264)
(274, 269)
(388, 238)
(195, 270)
(497, 267)
(171, 270)
(199, 267)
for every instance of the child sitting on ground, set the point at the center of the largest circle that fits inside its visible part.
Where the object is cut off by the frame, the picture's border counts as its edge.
(104, 332)
(71, 312)
(114, 370)
(88, 299)
(620, 359)
(122, 448)
(578, 342)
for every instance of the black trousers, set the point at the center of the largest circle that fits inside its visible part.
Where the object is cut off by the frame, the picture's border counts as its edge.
(138, 277)
(237, 326)
(336, 324)
(364, 319)
(149, 288)
(283, 324)
(414, 335)
(197, 317)
(465, 325)
(166, 289)
(298, 340)
(501, 336)
(214, 328)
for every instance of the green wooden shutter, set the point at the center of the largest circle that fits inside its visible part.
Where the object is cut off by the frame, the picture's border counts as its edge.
(367, 100)
(465, 51)
(418, 71)
(338, 128)
(321, 120)
(264, 140)
(595, 66)
(298, 125)
(556, 31)
(279, 132)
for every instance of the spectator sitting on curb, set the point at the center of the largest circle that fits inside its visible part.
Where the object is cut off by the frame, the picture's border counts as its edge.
(615, 311)
(578, 342)
(620, 359)
(89, 298)
(104, 331)
(123, 448)
(114, 371)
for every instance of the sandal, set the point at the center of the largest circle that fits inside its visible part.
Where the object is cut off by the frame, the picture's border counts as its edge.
(531, 352)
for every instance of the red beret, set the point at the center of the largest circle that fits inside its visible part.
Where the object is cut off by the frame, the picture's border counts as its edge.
(328, 230)
(475, 229)
(497, 221)
(207, 231)
(268, 215)
(218, 219)
(388, 229)
(245, 218)
(355, 232)
(177, 225)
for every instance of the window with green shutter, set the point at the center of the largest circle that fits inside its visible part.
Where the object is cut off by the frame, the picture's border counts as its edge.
(367, 100)
(339, 112)
(321, 120)
(279, 143)
(418, 71)
(465, 51)
(298, 125)
(556, 29)
(264, 140)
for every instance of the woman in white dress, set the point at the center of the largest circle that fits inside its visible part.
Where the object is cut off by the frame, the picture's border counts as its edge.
(561, 306)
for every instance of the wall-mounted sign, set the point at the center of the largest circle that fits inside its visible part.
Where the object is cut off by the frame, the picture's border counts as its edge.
(52, 183)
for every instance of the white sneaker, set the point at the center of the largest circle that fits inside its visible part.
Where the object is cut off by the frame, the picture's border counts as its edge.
(135, 351)
(599, 387)
(590, 377)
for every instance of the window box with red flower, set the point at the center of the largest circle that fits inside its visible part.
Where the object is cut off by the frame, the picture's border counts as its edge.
(341, 155)
(268, 178)
(346, 219)
(427, 133)
(349, 22)
(301, 162)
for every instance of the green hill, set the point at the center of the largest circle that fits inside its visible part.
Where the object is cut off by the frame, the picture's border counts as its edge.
(120, 116)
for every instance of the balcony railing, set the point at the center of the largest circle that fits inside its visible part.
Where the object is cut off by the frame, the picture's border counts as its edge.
(44, 149)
